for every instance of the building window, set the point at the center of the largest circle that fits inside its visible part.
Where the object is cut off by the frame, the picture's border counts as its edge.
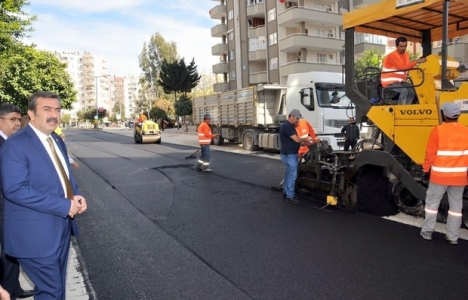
(274, 63)
(272, 14)
(231, 55)
(232, 75)
(331, 56)
(253, 44)
(231, 14)
(231, 35)
(272, 39)
(321, 58)
(261, 43)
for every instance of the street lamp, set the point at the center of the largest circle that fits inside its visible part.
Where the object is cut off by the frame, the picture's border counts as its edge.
(96, 87)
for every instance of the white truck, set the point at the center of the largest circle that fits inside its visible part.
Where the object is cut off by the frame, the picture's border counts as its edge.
(252, 116)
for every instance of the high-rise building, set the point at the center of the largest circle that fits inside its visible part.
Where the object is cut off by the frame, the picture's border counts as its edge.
(94, 83)
(263, 41)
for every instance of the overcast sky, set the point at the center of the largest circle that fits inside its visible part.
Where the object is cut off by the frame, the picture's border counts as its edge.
(117, 29)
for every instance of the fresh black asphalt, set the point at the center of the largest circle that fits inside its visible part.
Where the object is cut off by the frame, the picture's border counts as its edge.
(158, 229)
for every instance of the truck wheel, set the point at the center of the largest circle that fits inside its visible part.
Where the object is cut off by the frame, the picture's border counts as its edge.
(217, 140)
(249, 141)
(158, 141)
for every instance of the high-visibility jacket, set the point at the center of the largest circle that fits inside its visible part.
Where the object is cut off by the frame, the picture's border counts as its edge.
(303, 130)
(393, 62)
(204, 134)
(447, 154)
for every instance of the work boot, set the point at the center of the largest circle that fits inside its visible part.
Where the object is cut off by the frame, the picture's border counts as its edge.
(427, 235)
(207, 170)
(292, 201)
(452, 242)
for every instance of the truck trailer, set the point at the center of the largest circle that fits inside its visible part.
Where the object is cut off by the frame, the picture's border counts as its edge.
(252, 116)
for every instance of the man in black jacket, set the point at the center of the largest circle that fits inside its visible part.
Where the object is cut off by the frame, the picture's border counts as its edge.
(351, 133)
(10, 116)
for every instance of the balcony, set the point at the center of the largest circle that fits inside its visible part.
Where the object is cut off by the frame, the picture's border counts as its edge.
(294, 42)
(219, 49)
(302, 67)
(457, 50)
(359, 49)
(291, 17)
(219, 30)
(256, 10)
(254, 32)
(221, 68)
(257, 55)
(221, 87)
(258, 77)
(362, 3)
(218, 12)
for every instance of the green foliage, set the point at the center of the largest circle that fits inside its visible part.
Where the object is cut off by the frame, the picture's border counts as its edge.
(183, 106)
(151, 58)
(28, 70)
(88, 114)
(371, 58)
(119, 108)
(14, 23)
(177, 77)
(65, 119)
(192, 78)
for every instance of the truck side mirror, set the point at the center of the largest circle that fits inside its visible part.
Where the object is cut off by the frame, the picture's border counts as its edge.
(307, 99)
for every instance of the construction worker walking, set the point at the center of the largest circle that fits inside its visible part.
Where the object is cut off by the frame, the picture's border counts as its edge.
(204, 139)
(445, 167)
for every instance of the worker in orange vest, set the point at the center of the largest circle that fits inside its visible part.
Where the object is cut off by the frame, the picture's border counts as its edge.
(204, 139)
(142, 118)
(304, 129)
(445, 167)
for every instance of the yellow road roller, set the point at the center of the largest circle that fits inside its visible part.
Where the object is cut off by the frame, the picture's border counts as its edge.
(147, 132)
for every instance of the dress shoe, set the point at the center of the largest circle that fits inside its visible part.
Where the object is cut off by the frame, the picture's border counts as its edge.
(25, 294)
(292, 201)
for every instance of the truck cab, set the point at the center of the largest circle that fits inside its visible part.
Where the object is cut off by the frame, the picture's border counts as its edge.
(320, 96)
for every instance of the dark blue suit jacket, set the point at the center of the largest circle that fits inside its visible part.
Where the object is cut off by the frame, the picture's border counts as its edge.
(36, 209)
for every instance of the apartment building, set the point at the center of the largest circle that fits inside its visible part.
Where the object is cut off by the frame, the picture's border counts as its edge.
(263, 41)
(131, 89)
(117, 94)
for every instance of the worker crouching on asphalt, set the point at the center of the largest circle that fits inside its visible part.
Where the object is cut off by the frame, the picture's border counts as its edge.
(445, 167)
(290, 144)
(204, 139)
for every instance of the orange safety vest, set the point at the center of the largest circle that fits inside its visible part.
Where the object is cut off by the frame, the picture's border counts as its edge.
(393, 62)
(204, 134)
(447, 154)
(303, 130)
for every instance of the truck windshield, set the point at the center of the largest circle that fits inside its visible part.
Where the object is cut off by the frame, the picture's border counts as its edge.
(334, 98)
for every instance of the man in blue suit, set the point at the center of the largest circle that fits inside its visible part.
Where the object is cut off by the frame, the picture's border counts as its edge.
(41, 198)
(9, 124)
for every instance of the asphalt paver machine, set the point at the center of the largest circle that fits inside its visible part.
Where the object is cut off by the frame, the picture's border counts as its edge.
(384, 174)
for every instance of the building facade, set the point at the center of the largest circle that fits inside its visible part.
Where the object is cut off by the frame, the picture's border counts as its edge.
(263, 41)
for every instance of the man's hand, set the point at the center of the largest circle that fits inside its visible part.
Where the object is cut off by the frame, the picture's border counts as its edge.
(74, 208)
(82, 201)
(425, 178)
(422, 60)
(75, 165)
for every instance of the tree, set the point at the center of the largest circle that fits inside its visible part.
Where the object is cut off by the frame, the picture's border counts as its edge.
(87, 115)
(192, 77)
(173, 77)
(119, 108)
(371, 58)
(14, 23)
(29, 70)
(65, 119)
(205, 85)
(151, 58)
(161, 110)
(183, 107)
